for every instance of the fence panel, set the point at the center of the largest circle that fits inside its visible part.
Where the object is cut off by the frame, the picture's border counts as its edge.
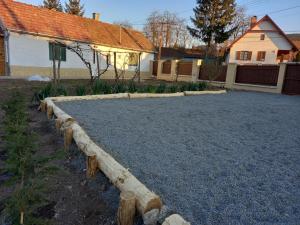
(258, 75)
(185, 68)
(166, 67)
(291, 83)
(154, 68)
(213, 72)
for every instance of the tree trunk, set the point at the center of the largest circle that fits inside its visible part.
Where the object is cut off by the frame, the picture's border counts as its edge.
(58, 71)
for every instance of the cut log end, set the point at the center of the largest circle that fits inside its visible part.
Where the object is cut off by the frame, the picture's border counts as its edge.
(68, 137)
(58, 124)
(92, 166)
(49, 112)
(127, 208)
(154, 203)
(43, 106)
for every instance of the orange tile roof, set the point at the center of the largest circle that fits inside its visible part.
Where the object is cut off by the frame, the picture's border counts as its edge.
(25, 18)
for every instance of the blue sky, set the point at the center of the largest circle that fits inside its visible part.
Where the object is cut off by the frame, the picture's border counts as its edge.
(136, 11)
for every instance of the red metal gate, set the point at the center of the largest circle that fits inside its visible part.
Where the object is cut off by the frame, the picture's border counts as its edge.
(213, 72)
(259, 75)
(291, 85)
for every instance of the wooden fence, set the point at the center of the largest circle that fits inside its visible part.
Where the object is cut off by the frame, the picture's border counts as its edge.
(185, 68)
(291, 83)
(154, 69)
(213, 73)
(166, 67)
(258, 75)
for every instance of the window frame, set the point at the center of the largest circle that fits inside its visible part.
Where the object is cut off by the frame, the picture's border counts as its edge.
(259, 56)
(62, 52)
(262, 37)
(244, 55)
(133, 56)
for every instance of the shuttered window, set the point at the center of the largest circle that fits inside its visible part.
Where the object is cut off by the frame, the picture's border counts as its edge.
(261, 56)
(243, 55)
(59, 52)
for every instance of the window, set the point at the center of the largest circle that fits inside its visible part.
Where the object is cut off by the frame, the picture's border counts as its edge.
(243, 55)
(262, 37)
(59, 52)
(261, 56)
(133, 59)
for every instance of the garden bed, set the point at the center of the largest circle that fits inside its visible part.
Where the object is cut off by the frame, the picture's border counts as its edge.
(214, 159)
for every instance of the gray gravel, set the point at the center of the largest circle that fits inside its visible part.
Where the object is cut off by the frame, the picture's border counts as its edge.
(215, 159)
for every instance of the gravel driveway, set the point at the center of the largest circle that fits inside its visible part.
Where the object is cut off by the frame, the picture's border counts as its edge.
(214, 159)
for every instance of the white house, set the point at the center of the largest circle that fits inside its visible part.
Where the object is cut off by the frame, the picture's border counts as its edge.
(28, 34)
(263, 43)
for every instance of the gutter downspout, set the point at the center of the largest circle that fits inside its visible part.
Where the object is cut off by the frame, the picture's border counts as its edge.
(6, 53)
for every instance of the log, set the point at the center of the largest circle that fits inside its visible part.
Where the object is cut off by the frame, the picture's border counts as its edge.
(49, 111)
(155, 95)
(190, 93)
(118, 175)
(92, 166)
(88, 97)
(68, 136)
(175, 219)
(126, 211)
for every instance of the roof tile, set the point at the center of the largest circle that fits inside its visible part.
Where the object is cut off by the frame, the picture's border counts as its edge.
(27, 18)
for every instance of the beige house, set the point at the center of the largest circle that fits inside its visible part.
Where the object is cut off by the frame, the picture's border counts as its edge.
(27, 34)
(263, 43)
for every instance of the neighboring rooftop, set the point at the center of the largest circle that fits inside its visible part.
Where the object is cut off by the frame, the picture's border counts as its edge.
(25, 18)
(180, 53)
(295, 38)
(255, 23)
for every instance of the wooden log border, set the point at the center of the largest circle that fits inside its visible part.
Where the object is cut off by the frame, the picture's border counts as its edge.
(146, 200)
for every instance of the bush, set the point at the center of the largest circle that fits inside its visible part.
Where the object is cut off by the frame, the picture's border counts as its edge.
(45, 92)
(172, 89)
(80, 90)
(183, 87)
(202, 86)
(60, 90)
(147, 89)
(192, 87)
(101, 87)
(119, 88)
(132, 87)
(161, 88)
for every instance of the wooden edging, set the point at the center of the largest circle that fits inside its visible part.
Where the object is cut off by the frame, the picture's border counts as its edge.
(129, 95)
(97, 158)
(146, 200)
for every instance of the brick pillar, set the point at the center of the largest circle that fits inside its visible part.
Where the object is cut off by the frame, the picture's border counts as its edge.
(195, 69)
(173, 69)
(281, 75)
(159, 68)
(230, 75)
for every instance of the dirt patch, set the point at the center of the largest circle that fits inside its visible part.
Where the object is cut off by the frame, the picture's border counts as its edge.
(72, 198)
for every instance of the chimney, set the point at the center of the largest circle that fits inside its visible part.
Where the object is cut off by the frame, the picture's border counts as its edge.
(253, 21)
(96, 16)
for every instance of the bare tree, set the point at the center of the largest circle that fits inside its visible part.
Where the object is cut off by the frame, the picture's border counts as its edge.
(166, 29)
(241, 22)
(84, 52)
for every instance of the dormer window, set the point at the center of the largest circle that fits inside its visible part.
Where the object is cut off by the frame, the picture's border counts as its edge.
(262, 37)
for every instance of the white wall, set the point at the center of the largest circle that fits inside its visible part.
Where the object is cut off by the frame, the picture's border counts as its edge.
(251, 42)
(33, 51)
